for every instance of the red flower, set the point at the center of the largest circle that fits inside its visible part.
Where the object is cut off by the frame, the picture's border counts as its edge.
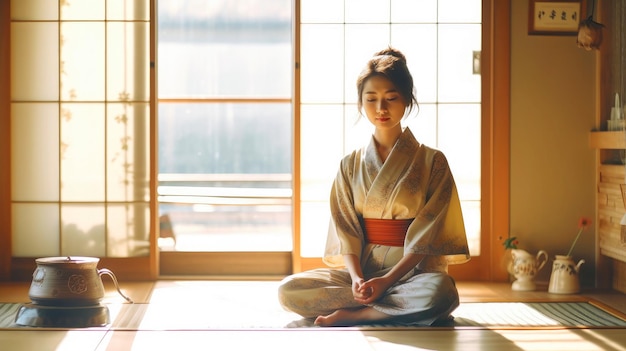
(583, 222)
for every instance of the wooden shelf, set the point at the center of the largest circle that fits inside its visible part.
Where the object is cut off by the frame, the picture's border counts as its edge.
(607, 140)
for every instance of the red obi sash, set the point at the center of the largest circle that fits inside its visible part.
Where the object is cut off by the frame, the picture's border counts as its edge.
(388, 232)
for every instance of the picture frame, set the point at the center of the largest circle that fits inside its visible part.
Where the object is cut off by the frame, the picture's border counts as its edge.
(555, 17)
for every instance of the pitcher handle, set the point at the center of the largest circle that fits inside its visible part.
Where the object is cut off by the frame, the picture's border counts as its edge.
(540, 263)
(108, 272)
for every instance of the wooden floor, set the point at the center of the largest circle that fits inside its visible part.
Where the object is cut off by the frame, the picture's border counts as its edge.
(466, 339)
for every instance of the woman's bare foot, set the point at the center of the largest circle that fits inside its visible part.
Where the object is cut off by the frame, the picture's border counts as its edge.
(350, 317)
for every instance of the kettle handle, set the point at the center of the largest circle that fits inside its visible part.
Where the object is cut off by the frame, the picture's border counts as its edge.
(542, 262)
(110, 274)
(579, 263)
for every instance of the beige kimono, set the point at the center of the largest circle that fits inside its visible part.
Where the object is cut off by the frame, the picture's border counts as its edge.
(414, 182)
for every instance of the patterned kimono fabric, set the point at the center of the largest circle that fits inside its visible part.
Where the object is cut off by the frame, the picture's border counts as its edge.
(415, 182)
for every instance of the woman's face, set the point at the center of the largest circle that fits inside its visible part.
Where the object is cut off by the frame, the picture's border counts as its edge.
(384, 106)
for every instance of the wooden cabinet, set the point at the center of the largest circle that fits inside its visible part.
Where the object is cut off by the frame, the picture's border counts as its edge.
(611, 147)
(611, 200)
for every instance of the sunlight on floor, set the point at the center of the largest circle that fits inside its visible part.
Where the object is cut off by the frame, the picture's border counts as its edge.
(512, 309)
(233, 340)
(205, 304)
(565, 339)
(599, 339)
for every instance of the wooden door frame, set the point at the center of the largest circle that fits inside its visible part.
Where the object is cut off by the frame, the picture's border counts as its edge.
(496, 85)
(5, 140)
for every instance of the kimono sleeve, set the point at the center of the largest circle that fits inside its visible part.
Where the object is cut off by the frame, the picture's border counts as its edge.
(438, 228)
(345, 234)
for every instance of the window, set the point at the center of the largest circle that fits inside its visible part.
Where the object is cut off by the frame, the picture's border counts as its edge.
(80, 124)
(225, 110)
(41, 95)
(225, 124)
(439, 39)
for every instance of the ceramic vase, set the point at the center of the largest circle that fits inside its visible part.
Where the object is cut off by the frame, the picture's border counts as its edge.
(565, 278)
(524, 267)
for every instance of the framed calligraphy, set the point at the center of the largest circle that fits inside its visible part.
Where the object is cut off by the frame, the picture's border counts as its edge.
(555, 17)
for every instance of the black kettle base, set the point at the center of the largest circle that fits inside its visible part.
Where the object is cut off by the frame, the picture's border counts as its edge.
(34, 315)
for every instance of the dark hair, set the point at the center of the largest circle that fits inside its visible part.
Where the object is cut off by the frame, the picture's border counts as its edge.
(391, 64)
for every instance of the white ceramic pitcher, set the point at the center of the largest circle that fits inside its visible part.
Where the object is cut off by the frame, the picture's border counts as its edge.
(524, 267)
(564, 278)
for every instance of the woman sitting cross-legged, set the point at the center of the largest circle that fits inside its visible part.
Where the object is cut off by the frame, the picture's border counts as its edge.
(396, 221)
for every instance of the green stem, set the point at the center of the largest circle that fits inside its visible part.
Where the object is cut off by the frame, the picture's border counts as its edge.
(575, 240)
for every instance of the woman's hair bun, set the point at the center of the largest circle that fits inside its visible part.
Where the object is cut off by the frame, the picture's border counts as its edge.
(391, 52)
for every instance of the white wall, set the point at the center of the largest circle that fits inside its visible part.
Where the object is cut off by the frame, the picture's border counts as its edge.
(553, 181)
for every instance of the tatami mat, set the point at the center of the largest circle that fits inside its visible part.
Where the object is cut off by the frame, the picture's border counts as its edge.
(230, 315)
(223, 305)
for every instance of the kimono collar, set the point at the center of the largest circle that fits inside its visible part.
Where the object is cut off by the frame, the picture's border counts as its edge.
(381, 176)
(406, 143)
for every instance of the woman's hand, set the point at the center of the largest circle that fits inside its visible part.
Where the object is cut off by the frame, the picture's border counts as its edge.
(357, 289)
(371, 290)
